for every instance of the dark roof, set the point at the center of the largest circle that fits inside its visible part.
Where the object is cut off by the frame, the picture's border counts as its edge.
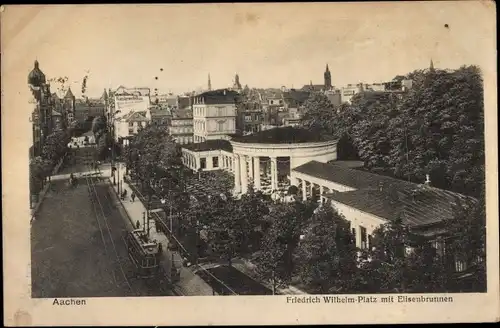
(184, 102)
(221, 96)
(210, 145)
(69, 94)
(182, 113)
(313, 87)
(296, 95)
(384, 196)
(159, 113)
(281, 135)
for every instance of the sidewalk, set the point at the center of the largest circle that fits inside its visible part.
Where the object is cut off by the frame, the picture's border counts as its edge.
(190, 284)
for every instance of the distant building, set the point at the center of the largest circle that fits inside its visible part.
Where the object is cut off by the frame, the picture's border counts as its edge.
(250, 117)
(127, 100)
(214, 114)
(48, 114)
(129, 124)
(181, 125)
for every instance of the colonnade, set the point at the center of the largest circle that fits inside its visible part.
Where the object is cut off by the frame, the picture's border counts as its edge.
(247, 168)
(307, 188)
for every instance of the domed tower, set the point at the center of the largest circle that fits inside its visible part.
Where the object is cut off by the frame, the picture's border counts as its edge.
(36, 78)
(328, 78)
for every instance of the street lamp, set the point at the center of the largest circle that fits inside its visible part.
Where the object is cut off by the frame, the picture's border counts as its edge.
(112, 127)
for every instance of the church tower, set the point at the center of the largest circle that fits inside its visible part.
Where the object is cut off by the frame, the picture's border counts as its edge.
(209, 83)
(431, 67)
(328, 78)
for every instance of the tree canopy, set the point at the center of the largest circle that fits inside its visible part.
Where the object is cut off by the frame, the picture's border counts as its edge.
(327, 253)
(435, 128)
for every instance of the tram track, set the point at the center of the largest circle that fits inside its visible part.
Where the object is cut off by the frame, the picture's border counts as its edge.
(105, 232)
(158, 282)
(159, 285)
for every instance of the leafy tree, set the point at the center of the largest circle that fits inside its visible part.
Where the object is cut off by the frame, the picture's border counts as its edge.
(327, 254)
(440, 130)
(401, 261)
(467, 231)
(55, 146)
(152, 147)
(275, 261)
(39, 169)
(319, 115)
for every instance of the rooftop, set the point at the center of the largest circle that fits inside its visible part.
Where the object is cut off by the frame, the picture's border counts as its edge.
(221, 96)
(186, 113)
(282, 135)
(384, 196)
(209, 145)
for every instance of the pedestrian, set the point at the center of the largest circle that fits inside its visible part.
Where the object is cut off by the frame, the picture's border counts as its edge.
(138, 225)
(132, 197)
(157, 225)
(160, 248)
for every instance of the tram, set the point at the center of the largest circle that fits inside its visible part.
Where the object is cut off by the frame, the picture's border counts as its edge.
(144, 254)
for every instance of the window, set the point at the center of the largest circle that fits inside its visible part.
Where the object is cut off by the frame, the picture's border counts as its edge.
(130, 124)
(364, 238)
(203, 163)
(215, 162)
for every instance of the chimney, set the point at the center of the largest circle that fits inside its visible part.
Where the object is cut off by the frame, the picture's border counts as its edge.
(427, 180)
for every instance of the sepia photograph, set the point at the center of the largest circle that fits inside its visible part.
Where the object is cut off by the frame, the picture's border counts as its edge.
(336, 154)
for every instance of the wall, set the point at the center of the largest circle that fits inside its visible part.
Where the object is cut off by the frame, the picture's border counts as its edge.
(359, 218)
(131, 103)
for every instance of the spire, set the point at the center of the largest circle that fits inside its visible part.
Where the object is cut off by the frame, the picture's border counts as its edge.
(431, 67)
(209, 83)
(328, 78)
(69, 94)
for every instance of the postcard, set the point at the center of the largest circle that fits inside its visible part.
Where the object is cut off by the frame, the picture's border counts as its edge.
(250, 164)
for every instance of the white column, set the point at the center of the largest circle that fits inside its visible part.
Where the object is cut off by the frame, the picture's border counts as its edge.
(256, 174)
(250, 166)
(358, 236)
(321, 193)
(244, 175)
(274, 174)
(198, 163)
(304, 191)
(237, 178)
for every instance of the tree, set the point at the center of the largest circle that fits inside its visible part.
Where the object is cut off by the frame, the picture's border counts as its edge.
(440, 130)
(39, 169)
(327, 255)
(153, 147)
(319, 115)
(275, 259)
(467, 237)
(248, 215)
(401, 261)
(55, 146)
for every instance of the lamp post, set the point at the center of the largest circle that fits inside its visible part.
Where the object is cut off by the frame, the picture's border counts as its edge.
(112, 127)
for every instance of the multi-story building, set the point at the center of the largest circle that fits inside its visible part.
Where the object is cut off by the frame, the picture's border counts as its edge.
(129, 124)
(45, 118)
(181, 126)
(214, 114)
(127, 100)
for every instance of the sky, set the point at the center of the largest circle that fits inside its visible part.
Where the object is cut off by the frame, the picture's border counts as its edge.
(268, 45)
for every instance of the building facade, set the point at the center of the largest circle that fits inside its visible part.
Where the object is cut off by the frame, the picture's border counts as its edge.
(45, 117)
(181, 126)
(214, 114)
(130, 124)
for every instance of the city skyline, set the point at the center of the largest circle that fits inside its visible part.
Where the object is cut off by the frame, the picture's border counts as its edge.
(262, 43)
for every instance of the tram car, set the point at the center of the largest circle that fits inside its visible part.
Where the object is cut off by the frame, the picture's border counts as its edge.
(144, 254)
